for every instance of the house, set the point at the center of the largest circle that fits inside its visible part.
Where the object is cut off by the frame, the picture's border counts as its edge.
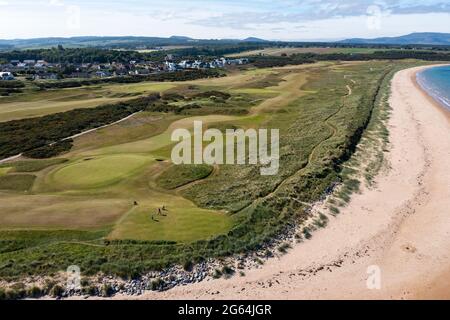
(218, 63)
(120, 72)
(41, 64)
(29, 62)
(200, 65)
(237, 61)
(102, 74)
(186, 64)
(96, 66)
(169, 57)
(6, 76)
(7, 67)
(170, 66)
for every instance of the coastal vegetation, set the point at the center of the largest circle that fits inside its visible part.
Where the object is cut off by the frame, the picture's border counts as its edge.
(10, 87)
(160, 77)
(113, 203)
(40, 137)
(303, 58)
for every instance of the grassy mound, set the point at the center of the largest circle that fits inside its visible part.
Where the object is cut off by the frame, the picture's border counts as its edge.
(178, 176)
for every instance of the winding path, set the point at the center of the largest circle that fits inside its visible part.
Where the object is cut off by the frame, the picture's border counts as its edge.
(311, 155)
(18, 156)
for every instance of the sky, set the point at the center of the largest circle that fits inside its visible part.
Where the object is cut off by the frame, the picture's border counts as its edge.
(223, 19)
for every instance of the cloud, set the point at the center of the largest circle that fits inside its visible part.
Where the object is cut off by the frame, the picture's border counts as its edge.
(269, 19)
(56, 3)
(288, 11)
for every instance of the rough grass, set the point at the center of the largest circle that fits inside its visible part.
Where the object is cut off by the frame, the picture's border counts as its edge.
(17, 182)
(40, 103)
(32, 165)
(142, 126)
(4, 170)
(290, 51)
(178, 176)
(60, 212)
(369, 158)
(314, 131)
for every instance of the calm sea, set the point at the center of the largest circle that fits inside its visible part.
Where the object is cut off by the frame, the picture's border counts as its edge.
(436, 81)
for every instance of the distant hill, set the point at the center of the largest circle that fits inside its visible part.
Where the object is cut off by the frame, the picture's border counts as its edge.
(113, 42)
(180, 38)
(424, 38)
(253, 39)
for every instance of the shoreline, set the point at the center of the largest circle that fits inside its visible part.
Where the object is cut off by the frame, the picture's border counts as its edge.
(399, 225)
(435, 96)
(445, 111)
(440, 287)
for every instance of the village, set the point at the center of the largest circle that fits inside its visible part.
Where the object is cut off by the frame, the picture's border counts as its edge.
(43, 70)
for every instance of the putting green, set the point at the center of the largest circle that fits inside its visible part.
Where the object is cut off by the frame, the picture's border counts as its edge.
(99, 171)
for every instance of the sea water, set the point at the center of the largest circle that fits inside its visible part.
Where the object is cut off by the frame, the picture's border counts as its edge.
(436, 81)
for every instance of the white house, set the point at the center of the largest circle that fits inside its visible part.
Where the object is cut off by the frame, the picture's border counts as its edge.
(186, 64)
(170, 66)
(40, 64)
(6, 76)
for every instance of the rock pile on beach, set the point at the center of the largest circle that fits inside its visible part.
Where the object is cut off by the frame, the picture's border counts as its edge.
(210, 269)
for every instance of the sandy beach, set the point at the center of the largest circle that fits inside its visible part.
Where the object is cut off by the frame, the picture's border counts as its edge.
(401, 226)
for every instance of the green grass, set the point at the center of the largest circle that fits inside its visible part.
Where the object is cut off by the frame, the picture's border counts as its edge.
(4, 170)
(142, 126)
(183, 222)
(178, 176)
(99, 171)
(111, 180)
(161, 140)
(292, 51)
(255, 91)
(38, 103)
(17, 182)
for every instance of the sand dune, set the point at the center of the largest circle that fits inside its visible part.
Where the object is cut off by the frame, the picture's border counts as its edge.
(401, 226)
